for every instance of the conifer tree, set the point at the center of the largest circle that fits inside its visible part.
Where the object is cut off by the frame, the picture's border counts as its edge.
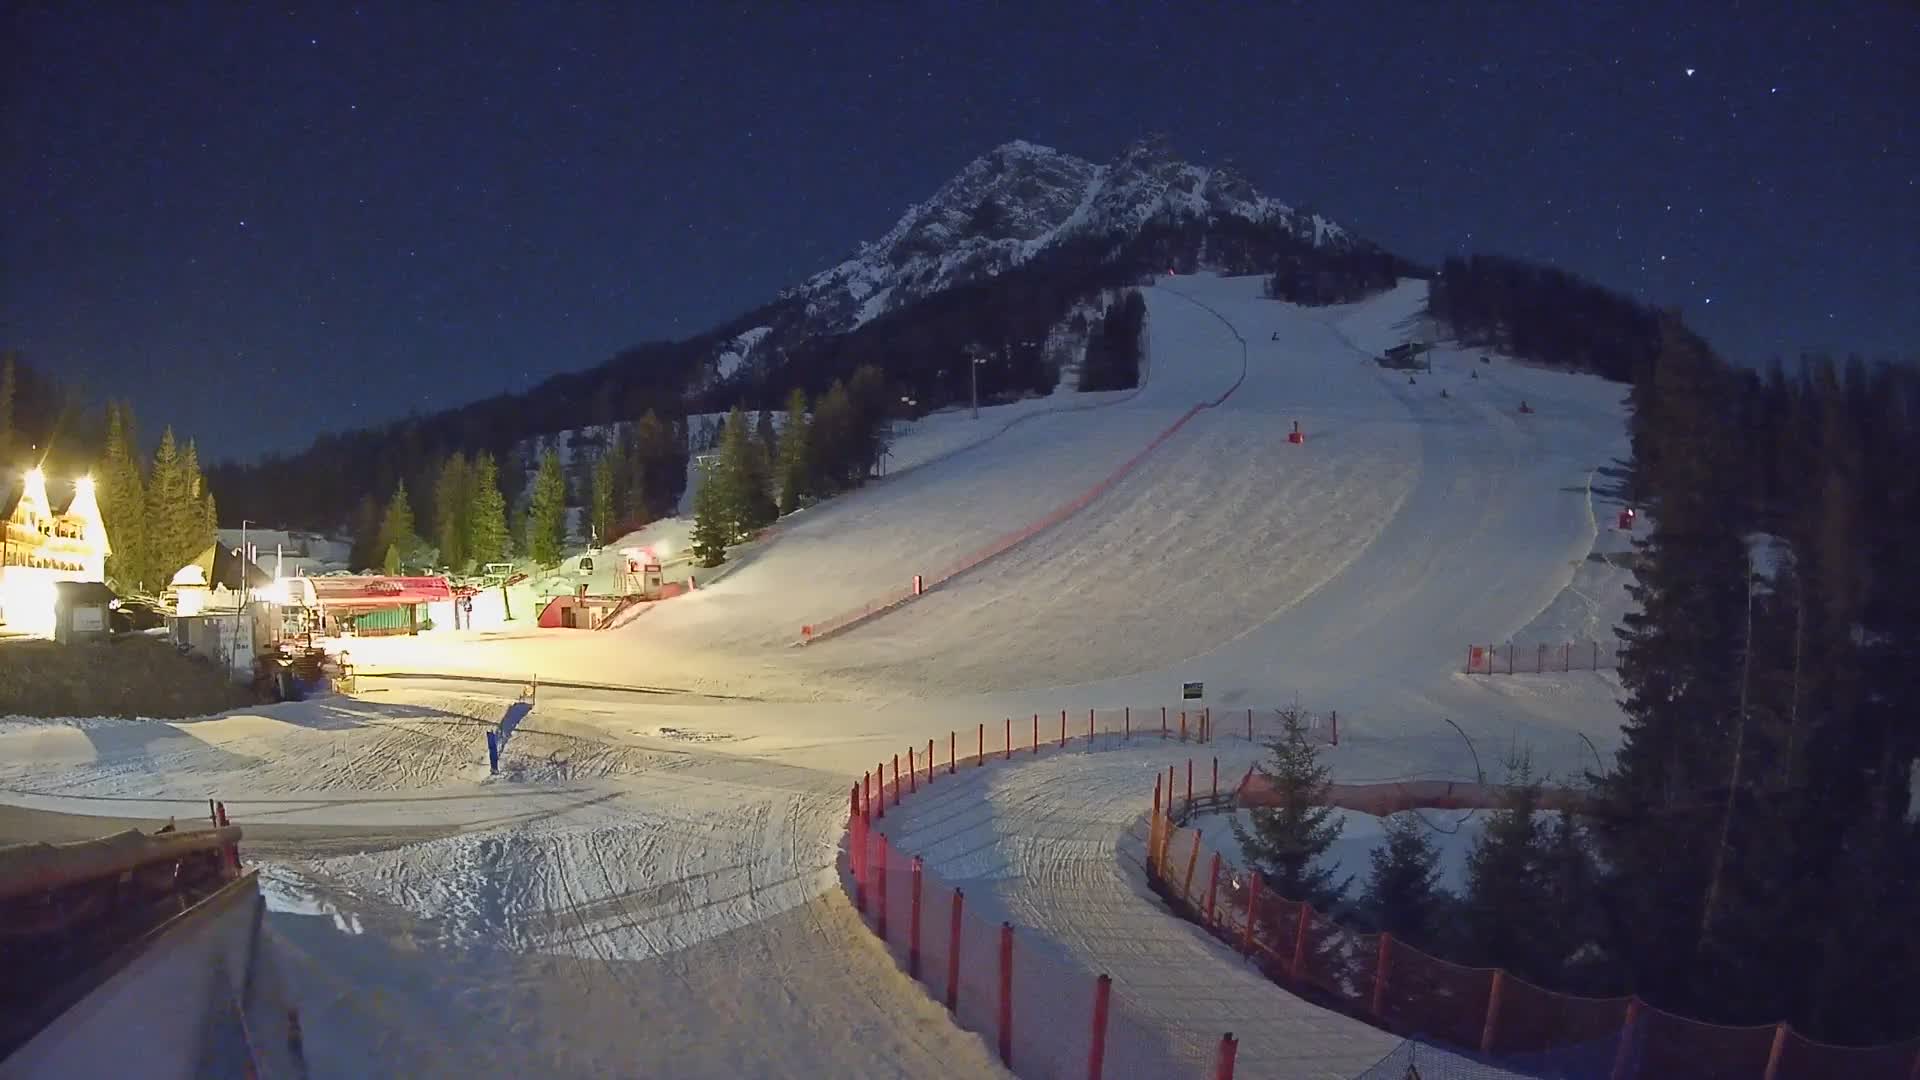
(763, 431)
(398, 540)
(1403, 894)
(1504, 913)
(168, 512)
(487, 534)
(122, 497)
(657, 457)
(793, 470)
(366, 534)
(453, 498)
(710, 523)
(1288, 838)
(547, 513)
(604, 489)
(831, 441)
(740, 481)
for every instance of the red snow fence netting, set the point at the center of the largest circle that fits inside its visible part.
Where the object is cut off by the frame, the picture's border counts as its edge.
(1542, 657)
(1487, 1021)
(921, 583)
(1042, 1014)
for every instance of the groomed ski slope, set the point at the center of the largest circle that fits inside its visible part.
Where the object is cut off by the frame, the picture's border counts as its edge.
(649, 889)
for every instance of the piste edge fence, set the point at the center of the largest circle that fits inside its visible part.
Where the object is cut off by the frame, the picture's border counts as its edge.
(1541, 658)
(1483, 1014)
(1042, 1017)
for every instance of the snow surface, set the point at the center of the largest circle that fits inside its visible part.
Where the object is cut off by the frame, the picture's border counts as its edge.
(648, 886)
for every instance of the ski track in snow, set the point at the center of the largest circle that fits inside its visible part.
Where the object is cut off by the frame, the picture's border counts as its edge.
(648, 887)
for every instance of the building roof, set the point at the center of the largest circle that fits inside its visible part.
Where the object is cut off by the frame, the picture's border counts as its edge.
(373, 590)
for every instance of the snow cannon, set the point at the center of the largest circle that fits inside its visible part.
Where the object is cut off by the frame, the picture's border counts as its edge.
(1296, 437)
(1525, 408)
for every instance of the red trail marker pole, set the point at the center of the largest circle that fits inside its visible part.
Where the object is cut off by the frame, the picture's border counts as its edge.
(953, 756)
(980, 751)
(930, 761)
(880, 782)
(1097, 1046)
(1249, 725)
(913, 774)
(1216, 776)
(1223, 1063)
(856, 857)
(1128, 717)
(953, 950)
(1253, 910)
(1189, 781)
(1036, 733)
(1008, 756)
(1089, 727)
(913, 924)
(896, 779)
(1063, 729)
(1006, 994)
(1183, 725)
(1163, 721)
(880, 888)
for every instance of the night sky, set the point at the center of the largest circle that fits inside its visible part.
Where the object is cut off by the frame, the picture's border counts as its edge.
(262, 224)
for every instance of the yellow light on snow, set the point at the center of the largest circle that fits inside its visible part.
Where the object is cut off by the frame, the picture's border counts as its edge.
(27, 598)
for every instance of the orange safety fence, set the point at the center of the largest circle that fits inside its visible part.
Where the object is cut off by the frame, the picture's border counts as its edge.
(1041, 1014)
(874, 608)
(1489, 1014)
(1542, 657)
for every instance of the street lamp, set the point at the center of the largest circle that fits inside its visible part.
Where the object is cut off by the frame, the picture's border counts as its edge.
(973, 378)
(244, 562)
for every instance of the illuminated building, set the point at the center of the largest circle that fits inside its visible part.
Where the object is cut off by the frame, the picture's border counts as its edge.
(39, 547)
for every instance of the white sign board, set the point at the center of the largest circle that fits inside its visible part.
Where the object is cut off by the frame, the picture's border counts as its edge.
(89, 619)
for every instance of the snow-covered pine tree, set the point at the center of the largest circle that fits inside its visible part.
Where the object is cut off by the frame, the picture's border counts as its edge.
(1287, 839)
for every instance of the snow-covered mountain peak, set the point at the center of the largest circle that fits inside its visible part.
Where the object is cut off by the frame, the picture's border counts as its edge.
(1021, 199)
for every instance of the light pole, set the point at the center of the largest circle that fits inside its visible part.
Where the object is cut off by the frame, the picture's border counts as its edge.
(973, 378)
(244, 562)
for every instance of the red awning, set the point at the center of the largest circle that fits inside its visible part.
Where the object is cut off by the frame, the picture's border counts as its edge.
(376, 591)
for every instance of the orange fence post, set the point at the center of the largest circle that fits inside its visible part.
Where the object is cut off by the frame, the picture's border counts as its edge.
(953, 755)
(1183, 725)
(1193, 860)
(953, 950)
(1063, 729)
(854, 856)
(980, 751)
(1169, 792)
(1380, 974)
(1213, 886)
(1127, 718)
(880, 888)
(1163, 721)
(1006, 994)
(1089, 727)
(913, 773)
(930, 762)
(913, 923)
(1036, 733)
(880, 782)
(1775, 1051)
(1253, 909)
(866, 798)
(1493, 1010)
(1153, 826)
(896, 779)
(1223, 1062)
(1008, 756)
(1189, 781)
(1097, 1046)
(1623, 1054)
(1300, 943)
